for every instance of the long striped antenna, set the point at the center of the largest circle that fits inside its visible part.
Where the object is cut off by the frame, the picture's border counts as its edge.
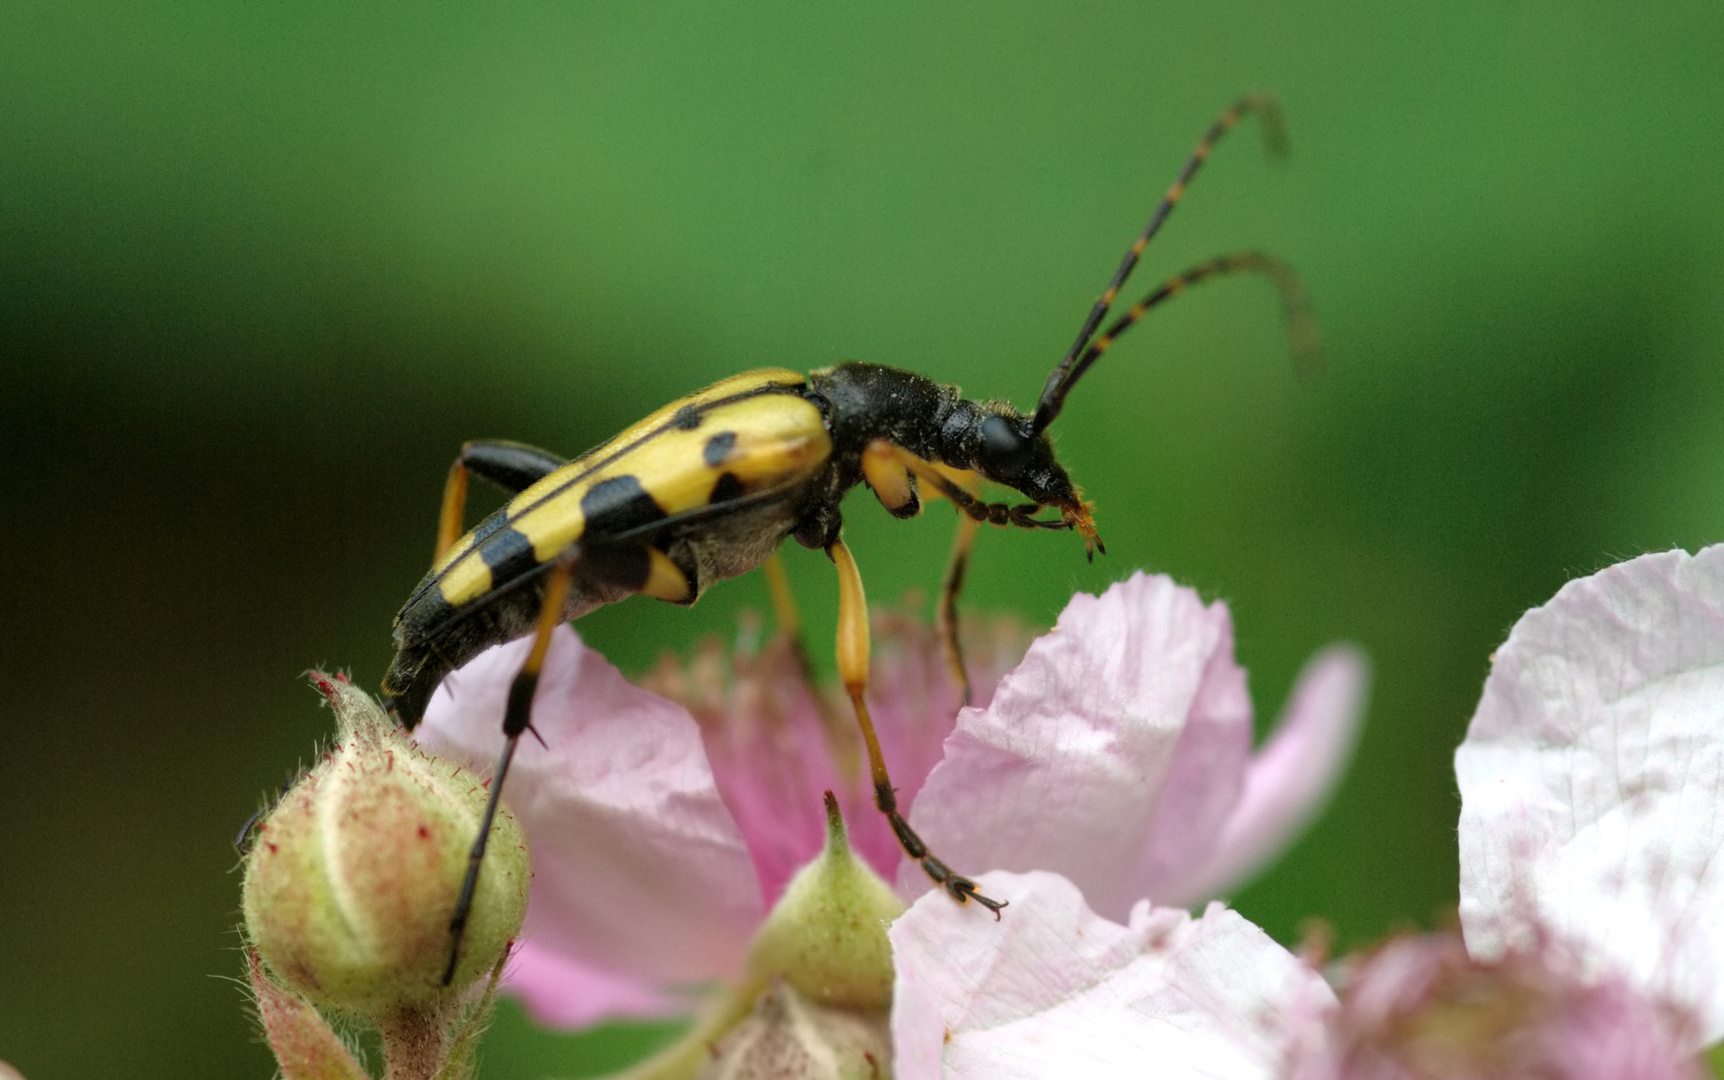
(1078, 358)
(1301, 326)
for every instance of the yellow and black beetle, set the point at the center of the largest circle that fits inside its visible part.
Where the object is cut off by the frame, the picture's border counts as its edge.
(709, 486)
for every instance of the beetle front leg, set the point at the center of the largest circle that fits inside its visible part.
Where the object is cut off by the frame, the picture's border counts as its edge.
(957, 568)
(893, 483)
(946, 619)
(853, 651)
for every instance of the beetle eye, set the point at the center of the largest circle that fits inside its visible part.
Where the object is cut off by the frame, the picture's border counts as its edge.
(1005, 451)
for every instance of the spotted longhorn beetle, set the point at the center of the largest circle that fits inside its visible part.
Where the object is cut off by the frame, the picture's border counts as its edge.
(709, 487)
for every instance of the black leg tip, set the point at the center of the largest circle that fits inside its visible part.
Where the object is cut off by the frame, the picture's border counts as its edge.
(963, 889)
(454, 958)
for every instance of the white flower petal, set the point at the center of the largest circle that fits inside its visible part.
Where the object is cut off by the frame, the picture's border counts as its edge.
(1592, 780)
(1113, 754)
(1291, 775)
(638, 868)
(1055, 991)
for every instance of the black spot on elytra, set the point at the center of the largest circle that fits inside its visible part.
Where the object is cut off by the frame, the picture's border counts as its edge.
(687, 418)
(483, 530)
(508, 553)
(727, 488)
(617, 505)
(718, 448)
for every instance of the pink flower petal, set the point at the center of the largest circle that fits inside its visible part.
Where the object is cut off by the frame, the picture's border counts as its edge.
(1113, 754)
(774, 753)
(637, 865)
(1291, 775)
(1422, 1007)
(561, 992)
(1056, 991)
(1592, 781)
(772, 759)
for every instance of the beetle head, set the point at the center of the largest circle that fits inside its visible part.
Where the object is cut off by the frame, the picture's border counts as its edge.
(1009, 452)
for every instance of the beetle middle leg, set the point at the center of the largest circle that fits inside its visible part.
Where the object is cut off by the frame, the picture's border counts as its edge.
(946, 618)
(890, 472)
(789, 618)
(853, 650)
(636, 567)
(517, 718)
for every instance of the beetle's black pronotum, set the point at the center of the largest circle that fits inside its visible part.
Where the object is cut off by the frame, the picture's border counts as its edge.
(709, 486)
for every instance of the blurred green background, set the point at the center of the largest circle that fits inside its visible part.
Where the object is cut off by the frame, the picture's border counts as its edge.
(263, 267)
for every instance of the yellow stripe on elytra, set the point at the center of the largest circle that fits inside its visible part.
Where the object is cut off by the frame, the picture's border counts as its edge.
(555, 516)
(779, 440)
(747, 382)
(463, 575)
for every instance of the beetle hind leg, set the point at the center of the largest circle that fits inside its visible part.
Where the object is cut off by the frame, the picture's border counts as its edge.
(512, 466)
(789, 618)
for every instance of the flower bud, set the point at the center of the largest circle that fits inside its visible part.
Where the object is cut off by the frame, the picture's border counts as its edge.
(826, 937)
(352, 878)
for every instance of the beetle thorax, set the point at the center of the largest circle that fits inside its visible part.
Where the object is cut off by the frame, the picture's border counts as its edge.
(931, 420)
